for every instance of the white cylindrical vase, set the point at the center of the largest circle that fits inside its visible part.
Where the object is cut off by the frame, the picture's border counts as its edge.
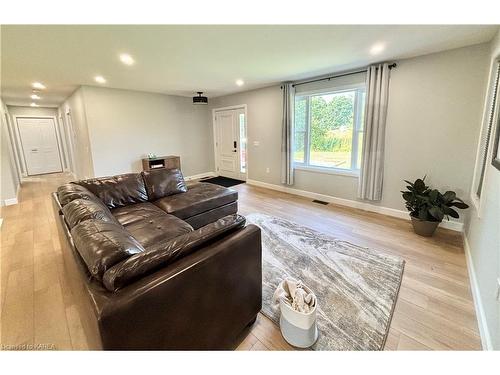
(298, 329)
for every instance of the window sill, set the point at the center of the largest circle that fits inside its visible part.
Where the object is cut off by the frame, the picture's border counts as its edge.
(333, 171)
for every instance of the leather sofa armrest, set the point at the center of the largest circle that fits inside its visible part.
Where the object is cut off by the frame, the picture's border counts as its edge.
(168, 252)
(201, 302)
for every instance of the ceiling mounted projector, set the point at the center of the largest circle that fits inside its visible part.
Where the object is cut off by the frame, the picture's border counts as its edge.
(200, 99)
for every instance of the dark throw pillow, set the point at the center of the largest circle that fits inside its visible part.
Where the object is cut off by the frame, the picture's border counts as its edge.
(80, 210)
(69, 192)
(163, 182)
(118, 191)
(103, 244)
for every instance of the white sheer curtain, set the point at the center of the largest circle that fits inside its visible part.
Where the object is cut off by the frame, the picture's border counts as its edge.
(372, 165)
(288, 92)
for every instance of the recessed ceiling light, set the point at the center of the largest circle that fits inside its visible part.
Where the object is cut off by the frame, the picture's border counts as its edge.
(35, 97)
(377, 48)
(100, 79)
(38, 85)
(240, 82)
(34, 105)
(127, 59)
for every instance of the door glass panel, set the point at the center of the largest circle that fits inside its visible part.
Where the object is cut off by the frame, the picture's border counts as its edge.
(243, 144)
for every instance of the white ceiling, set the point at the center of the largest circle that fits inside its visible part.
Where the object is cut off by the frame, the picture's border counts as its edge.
(181, 60)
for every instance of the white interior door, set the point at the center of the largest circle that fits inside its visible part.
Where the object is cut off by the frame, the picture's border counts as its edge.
(39, 143)
(230, 155)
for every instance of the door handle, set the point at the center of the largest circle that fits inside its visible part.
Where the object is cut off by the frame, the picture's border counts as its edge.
(235, 144)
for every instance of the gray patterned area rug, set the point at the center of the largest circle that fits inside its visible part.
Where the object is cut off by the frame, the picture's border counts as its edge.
(356, 287)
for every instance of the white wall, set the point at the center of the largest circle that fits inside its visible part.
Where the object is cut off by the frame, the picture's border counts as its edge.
(75, 121)
(124, 126)
(483, 235)
(434, 113)
(8, 173)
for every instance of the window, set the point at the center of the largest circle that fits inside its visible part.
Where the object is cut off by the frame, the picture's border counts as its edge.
(328, 129)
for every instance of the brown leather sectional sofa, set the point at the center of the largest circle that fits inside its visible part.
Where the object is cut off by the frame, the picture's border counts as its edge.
(156, 264)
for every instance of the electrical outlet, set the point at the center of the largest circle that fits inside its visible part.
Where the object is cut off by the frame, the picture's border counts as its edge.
(268, 170)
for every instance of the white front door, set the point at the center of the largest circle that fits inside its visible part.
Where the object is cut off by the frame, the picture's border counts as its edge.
(229, 135)
(39, 144)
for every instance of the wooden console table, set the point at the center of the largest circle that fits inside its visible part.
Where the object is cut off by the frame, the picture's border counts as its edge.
(168, 162)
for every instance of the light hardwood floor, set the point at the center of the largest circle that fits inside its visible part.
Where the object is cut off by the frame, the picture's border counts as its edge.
(434, 310)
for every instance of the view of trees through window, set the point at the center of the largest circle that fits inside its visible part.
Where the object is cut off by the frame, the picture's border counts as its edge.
(328, 129)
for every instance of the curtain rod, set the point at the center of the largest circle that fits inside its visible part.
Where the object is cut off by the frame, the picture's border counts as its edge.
(393, 65)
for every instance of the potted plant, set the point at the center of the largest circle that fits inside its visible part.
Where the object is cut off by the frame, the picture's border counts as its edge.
(428, 207)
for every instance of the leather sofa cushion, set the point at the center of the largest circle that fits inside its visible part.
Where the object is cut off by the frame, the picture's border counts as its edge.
(118, 191)
(80, 210)
(69, 192)
(166, 253)
(135, 212)
(199, 198)
(103, 244)
(163, 182)
(208, 217)
(148, 224)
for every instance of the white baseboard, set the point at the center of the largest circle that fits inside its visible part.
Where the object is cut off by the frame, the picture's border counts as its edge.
(200, 175)
(453, 225)
(478, 304)
(11, 201)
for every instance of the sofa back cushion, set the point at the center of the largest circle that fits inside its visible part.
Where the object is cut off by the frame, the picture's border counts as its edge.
(69, 192)
(163, 182)
(118, 191)
(80, 210)
(167, 252)
(103, 244)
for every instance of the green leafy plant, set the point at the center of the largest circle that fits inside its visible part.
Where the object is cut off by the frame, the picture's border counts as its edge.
(429, 204)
